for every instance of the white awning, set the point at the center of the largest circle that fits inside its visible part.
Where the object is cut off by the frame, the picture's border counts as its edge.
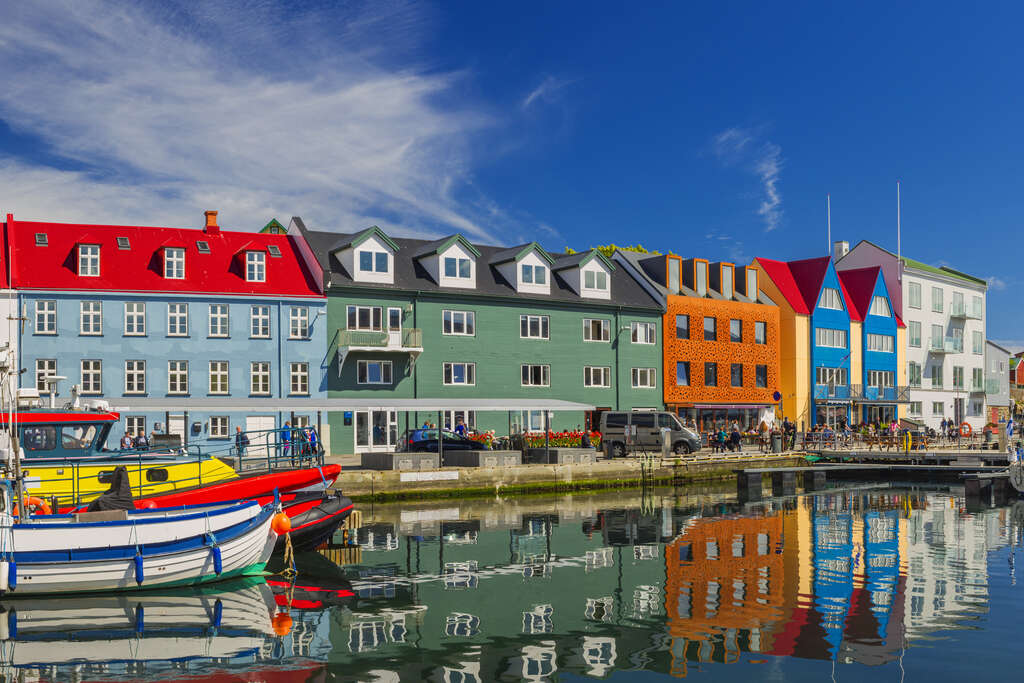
(129, 404)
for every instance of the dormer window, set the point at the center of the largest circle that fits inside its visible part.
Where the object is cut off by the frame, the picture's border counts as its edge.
(535, 275)
(458, 267)
(752, 292)
(830, 299)
(174, 263)
(373, 261)
(701, 279)
(727, 281)
(255, 266)
(880, 306)
(595, 280)
(89, 260)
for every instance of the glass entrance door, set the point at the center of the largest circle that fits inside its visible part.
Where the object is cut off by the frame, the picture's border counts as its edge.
(833, 416)
(376, 430)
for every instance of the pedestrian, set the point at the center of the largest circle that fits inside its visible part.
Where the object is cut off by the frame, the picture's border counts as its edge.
(585, 440)
(460, 427)
(241, 441)
(286, 439)
(735, 437)
(426, 425)
(140, 440)
(126, 441)
(314, 442)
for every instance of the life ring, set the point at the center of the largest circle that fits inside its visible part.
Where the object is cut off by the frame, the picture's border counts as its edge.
(965, 429)
(35, 505)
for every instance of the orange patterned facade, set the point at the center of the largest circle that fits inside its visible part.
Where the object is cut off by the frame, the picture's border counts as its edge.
(722, 352)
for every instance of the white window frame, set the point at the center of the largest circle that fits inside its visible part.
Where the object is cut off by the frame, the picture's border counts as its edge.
(914, 408)
(135, 314)
(915, 374)
(175, 312)
(937, 300)
(174, 263)
(468, 374)
(828, 337)
(914, 295)
(644, 378)
(259, 378)
(597, 376)
(259, 321)
(220, 427)
(533, 274)
(219, 371)
(977, 342)
(363, 370)
(45, 367)
(882, 343)
(911, 326)
(90, 318)
(643, 332)
(219, 318)
(880, 307)
(604, 329)
(449, 317)
(134, 377)
(527, 372)
(831, 299)
(177, 377)
(831, 376)
(595, 281)
(543, 326)
(938, 408)
(882, 379)
(298, 322)
(458, 262)
(958, 377)
(255, 266)
(298, 379)
(133, 424)
(372, 311)
(94, 372)
(89, 260)
(46, 316)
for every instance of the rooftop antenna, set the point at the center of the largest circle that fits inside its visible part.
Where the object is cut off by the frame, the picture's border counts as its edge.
(899, 245)
(828, 218)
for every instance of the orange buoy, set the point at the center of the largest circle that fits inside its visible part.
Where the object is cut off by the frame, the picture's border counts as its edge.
(282, 623)
(147, 505)
(281, 524)
(965, 429)
(35, 506)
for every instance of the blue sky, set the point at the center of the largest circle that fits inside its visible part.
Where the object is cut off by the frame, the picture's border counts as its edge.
(708, 129)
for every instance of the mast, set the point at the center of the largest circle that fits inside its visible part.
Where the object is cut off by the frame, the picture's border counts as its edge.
(899, 245)
(828, 221)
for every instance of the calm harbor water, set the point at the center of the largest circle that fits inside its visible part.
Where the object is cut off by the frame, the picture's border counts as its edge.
(868, 583)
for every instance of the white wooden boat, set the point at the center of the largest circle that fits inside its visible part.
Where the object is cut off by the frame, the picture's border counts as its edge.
(135, 549)
(229, 620)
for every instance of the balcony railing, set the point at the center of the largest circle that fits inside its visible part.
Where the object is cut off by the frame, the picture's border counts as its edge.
(410, 337)
(963, 311)
(823, 392)
(946, 345)
(870, 394)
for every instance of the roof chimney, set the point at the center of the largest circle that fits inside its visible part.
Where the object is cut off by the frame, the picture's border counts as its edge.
(840, 250)
(211, 223)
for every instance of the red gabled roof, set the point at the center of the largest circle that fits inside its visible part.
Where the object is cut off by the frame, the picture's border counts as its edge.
(4, 261)
(809, 274)
(860, 286)
(780, 274)
(140, 267)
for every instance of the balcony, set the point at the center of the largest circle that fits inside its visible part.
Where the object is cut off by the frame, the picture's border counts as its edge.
(869, 394)
(826, 392)
(408, 340)
(964, 313)
(946, 345)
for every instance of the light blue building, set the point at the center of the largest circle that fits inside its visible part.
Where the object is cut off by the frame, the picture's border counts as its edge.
(186, 332)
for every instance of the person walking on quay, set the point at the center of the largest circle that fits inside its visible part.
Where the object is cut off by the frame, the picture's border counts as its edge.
(241, 441)
(314, 442)
(734, 438)
(286, 440)
(460, 427)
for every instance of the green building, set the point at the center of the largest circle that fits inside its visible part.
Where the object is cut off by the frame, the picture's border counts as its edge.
(481, 328)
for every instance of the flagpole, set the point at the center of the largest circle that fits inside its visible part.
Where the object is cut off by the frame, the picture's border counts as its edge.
(828, 215)
(899, 245)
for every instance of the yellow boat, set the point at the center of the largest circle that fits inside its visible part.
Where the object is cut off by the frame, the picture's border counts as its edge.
(63, 457)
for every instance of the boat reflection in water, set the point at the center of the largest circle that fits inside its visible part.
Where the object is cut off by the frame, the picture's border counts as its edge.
(234, 630)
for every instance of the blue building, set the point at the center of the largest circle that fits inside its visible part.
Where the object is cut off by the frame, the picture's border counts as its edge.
(187, 332)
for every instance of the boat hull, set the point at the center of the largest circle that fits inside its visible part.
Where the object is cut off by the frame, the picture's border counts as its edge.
(314, 520)
(65, 556)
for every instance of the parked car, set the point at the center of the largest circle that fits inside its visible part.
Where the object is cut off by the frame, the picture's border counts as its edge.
(425, 441)
(647, 428)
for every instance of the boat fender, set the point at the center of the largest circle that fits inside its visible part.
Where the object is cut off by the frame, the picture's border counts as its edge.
(3, 577)
(140, 618)
(12, 624)
(218, 612)
(12, 575)
(139, 571)
(218, 567)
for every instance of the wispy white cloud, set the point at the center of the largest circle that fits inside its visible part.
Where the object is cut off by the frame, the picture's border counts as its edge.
(996, 283)
(743, 148)
(149, 114)
(545, 90)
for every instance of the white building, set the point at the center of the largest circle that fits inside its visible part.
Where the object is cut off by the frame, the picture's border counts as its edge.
(944, 311)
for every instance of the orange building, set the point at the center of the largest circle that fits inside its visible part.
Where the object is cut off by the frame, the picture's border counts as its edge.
(720, 339)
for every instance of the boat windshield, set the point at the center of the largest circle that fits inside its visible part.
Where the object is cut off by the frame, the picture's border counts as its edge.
(41, 438)
(77, 437)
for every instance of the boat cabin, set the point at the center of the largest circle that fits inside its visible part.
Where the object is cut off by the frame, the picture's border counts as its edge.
(59, 434)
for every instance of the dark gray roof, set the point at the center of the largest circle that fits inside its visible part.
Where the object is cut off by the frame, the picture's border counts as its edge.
(411, 275)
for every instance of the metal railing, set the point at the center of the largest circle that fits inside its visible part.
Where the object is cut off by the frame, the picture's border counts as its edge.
(897, 394)
(962, 311)
(827, 391)
(409, 337)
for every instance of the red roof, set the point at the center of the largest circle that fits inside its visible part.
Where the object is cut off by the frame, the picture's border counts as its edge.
(139, 268)
(800, 281)
(860, 286)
